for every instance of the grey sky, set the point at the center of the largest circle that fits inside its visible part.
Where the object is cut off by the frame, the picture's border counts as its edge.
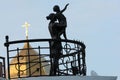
(96, 22)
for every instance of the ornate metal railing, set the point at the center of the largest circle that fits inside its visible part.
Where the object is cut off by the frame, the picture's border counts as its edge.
(71, 62)
(2, 67)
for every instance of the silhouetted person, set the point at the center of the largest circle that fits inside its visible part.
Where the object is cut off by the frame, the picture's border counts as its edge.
(56, 29)
(55, 46)
(62, 23)
(51, 25)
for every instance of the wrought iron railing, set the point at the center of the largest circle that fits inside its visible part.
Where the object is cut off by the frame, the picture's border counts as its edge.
(71, 62)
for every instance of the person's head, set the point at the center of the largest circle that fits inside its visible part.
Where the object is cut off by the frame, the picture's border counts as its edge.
(51, 17)
(56, 8)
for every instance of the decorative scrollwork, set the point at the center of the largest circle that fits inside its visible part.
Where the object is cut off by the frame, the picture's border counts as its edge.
(20, 70)
(67, 48)
(18, 66)
(64, 59)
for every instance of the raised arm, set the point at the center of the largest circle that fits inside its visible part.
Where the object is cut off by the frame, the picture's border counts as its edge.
(64, 8)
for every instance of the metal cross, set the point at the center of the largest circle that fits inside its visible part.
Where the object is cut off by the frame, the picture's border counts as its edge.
(26, 25)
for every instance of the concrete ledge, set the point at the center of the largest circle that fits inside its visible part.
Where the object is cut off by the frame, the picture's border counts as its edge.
(71, 78)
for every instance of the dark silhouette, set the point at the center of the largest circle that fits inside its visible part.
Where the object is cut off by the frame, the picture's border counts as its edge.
(51, 26)
(55, 46)
(62, 23)
(57, 27)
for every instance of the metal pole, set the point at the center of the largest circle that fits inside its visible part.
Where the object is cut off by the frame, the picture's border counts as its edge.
(7, 47)
(40, 63)
(29, 58)
(18, 63)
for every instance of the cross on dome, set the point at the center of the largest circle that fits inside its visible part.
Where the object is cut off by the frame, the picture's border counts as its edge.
(26, 25)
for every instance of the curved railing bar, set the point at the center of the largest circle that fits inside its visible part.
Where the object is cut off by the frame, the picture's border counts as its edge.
(43, 40)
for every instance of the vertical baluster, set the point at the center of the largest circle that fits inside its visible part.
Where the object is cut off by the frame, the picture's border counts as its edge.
(18, 63)
(40, 61)
(67, 66)
(79, 59)
(29, 58)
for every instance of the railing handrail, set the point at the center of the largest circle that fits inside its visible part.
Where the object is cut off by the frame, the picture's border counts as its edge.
(2, 57)
(43, 40)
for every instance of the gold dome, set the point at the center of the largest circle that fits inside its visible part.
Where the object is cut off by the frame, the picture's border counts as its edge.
(21, 65)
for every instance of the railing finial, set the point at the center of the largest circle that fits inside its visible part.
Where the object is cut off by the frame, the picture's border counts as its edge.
(7, 40)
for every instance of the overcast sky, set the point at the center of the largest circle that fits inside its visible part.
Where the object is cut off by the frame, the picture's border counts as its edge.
(95, 22)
